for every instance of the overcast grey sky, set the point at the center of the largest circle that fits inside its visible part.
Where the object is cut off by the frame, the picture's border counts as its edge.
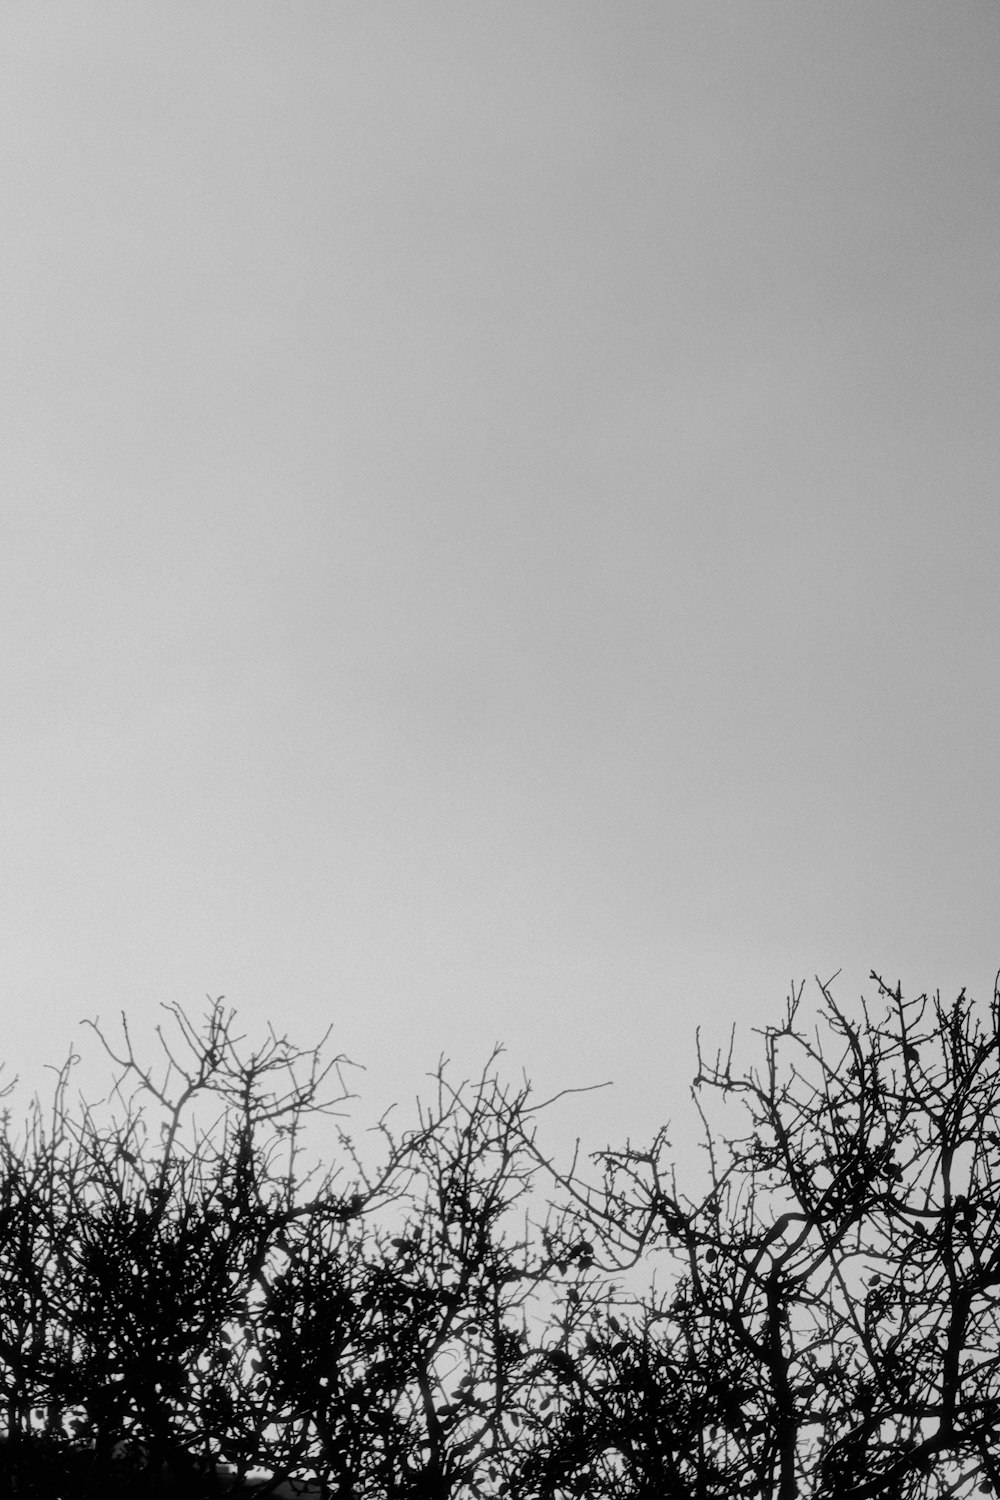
(500, 521)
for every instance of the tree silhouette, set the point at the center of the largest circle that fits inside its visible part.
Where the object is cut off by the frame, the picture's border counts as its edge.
(829, 1322)
(183, 1307)
(186, 1309)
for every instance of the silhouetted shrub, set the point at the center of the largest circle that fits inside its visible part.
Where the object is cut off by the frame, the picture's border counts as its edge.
(184, 1309)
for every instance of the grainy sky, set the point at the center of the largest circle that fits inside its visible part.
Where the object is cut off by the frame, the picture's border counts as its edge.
(500, 522)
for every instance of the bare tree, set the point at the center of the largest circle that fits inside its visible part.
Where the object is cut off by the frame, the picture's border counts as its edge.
(187, 1306)
(407, 1356)
(829, 1324)
(133, 1239)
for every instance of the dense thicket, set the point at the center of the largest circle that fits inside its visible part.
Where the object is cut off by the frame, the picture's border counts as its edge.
(184, 1307)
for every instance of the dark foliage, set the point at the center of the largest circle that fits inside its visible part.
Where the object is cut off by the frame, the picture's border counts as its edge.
(184, 1309)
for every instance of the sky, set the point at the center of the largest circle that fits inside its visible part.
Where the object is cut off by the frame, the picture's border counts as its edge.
(499, 529)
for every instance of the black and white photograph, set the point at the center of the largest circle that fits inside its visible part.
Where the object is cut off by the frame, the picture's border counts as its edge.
(500, 749)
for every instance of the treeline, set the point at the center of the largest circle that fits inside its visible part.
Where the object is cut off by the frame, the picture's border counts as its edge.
(186, 1307)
